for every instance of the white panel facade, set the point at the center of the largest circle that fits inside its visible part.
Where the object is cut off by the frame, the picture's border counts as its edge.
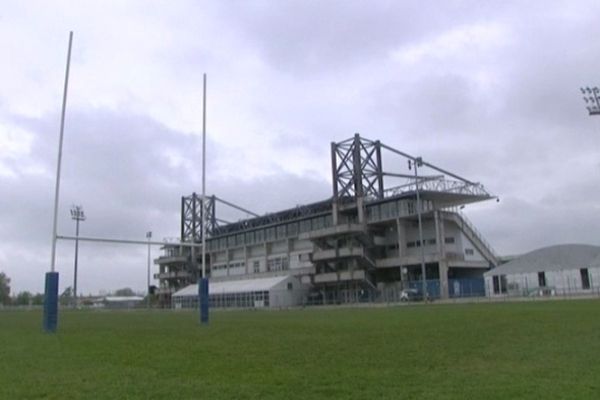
(559, 282)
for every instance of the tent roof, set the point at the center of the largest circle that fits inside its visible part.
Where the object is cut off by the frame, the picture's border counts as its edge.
(123, 298)
(234, 286)
(552, 258)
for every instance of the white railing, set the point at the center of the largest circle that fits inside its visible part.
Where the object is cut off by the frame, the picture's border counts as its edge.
(438, 185)
(466, 222)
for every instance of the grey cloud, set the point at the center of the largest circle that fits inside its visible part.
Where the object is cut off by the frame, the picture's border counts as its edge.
(114, 164)
(318, 72)
(307, 38)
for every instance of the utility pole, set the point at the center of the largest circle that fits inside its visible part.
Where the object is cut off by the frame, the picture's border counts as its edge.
(418, 162)
(148, 236)
(77, 215)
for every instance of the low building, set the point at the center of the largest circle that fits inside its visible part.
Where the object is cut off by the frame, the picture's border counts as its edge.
(122, 301)
(273, 292)
(550, 271)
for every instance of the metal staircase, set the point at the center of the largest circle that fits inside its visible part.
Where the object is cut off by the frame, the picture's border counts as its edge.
(467, 227)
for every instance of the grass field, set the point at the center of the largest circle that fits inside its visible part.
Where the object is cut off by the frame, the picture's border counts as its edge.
(473, 351)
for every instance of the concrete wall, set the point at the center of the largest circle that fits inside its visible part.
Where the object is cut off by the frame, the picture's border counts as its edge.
(468, 249)
(281, 296)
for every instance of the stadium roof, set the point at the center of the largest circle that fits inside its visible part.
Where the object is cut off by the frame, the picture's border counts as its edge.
(237, 286)
(552, 258)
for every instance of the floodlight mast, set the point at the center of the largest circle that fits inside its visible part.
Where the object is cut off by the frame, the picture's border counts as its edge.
(591, 96)
(77, 215)
(148, 236)
(418, 162)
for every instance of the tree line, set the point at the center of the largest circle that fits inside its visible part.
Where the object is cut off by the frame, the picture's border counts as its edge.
(25, 298)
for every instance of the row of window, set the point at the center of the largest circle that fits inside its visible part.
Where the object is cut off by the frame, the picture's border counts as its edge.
(430, 242)
(240, 300)
(283, 231)
(219, 267)
(393, 209)
(278, 264)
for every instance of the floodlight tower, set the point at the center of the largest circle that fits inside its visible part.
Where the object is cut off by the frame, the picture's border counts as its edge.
(416, 163)
(590, 95)
(149, 237)
(77, 215)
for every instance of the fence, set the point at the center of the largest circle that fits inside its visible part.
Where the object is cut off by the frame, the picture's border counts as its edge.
(476, 289)
(350, 293)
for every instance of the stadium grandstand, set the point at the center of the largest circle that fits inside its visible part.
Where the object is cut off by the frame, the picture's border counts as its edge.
(379, 233)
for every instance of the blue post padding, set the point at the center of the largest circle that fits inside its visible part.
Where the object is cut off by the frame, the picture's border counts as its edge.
(51, 302)
(203, 298)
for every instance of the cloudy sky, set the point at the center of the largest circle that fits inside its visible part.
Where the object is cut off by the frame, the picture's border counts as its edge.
(489, 90)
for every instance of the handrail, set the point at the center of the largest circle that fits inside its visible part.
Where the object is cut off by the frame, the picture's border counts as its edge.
(468, 223)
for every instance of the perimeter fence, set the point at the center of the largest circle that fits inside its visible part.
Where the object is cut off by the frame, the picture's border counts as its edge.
(459, 290)
(411, 292)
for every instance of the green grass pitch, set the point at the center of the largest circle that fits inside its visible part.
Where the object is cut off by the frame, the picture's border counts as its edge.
(536, 350)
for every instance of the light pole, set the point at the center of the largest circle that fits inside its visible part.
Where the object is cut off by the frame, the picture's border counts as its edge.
(590, 95)
(148, 236)
(77, 215)
(417, 162)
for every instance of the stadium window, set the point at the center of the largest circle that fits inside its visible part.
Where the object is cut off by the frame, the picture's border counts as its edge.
(318, 222)
(292, 229)
(410, 244)
(585, 278)
(496, 281)
(469, 252)
(290, 286)
(542, 279)
(260, 235)
(449, 240)
(431, 241)
(281, 234)
(256, 267)
(278, 264)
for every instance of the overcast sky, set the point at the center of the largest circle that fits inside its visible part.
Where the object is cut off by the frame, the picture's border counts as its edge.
(489, 90)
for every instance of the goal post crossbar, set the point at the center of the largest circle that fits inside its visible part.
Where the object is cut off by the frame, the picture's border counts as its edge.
(125, 241)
